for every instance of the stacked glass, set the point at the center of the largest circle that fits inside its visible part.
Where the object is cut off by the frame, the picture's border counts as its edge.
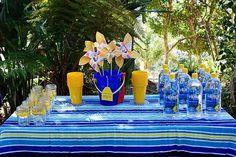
(37, 106)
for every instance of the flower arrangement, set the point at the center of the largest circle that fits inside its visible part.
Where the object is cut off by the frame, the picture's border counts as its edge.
(108, 82)
(99, 51)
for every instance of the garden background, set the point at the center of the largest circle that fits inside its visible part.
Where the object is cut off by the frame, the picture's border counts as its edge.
(42, 40)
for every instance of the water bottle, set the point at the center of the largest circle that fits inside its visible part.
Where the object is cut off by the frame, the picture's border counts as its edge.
(165, 66)
(179, 71)
(206, 78)
(201, 72)
(171, 96)
(163, 80)
(213, 95)
(194, 97)
(183, 88)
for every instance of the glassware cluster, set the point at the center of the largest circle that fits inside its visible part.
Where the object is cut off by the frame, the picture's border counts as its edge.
(37, 106)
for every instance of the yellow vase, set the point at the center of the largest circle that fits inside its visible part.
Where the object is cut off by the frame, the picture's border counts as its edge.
(75, 82)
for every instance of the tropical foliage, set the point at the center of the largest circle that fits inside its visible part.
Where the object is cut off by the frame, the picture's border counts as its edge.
(21, 65)
(226, 33)
(43, 40)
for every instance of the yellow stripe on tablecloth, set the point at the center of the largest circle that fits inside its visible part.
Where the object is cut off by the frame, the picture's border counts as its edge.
(119, 135)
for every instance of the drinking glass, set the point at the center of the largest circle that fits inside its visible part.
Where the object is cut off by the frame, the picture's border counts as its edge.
(23, 113)
(37, 89)
(51, 90)
(35, 93)
(45, 102)
(39, 115)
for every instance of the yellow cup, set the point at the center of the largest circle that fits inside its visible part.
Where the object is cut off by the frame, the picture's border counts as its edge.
(75, 82)
(139, 81)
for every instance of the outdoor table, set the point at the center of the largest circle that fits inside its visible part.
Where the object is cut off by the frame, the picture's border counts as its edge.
(124, 128)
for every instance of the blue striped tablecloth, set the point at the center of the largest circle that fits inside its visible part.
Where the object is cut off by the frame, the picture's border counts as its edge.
(124, 128)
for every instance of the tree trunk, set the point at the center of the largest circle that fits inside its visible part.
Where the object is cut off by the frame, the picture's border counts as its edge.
(166, 46)
(166, 22)
(211, 40)
(192, 27)
(190, 61)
